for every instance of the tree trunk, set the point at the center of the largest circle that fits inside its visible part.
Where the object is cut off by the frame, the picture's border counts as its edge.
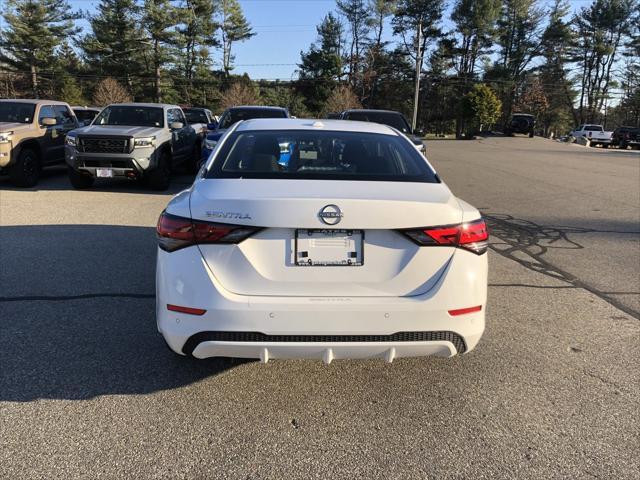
(34, 81)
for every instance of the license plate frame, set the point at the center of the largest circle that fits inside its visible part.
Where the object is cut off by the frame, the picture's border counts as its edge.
(303, 247)
(104, 172)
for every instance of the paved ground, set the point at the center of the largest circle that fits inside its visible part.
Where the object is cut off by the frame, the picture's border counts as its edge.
(88, 390)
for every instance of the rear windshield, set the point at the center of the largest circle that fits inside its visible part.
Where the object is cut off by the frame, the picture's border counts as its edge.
(395, 120)
(16, 112)
(131, 116)
(320, 155)
(233, 116)
(84, 115)
(593, 128)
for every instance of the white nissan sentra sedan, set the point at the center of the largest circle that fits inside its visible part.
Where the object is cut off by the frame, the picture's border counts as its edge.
(320, 239)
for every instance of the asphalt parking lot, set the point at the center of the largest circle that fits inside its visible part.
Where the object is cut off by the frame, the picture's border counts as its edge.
(88, 389)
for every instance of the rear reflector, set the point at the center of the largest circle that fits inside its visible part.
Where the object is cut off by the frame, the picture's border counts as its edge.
(471, 236)
(175, 232)
(463, 311)
(188, 310)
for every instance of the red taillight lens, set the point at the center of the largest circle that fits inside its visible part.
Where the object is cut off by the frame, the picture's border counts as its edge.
(187, 310)
(175, 232)
(464, 311)
(471, 236)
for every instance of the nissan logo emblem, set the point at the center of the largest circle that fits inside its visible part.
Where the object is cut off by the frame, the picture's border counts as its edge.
(331, 215)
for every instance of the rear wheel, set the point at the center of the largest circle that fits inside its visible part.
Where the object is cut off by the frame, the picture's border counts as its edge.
(26, 171)
(530, 134)
(160, 177)
(80, 180)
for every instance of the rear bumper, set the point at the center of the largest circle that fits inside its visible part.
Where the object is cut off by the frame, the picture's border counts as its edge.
(317, 327)
(327, 352)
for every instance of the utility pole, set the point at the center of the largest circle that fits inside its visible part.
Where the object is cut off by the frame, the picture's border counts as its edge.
(416, 94)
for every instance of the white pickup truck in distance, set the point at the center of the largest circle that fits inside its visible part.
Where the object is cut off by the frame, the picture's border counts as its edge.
(595, 134)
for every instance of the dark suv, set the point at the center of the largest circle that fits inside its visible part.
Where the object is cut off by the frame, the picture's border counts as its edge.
(387, 117)
(233, 115)
(625, 137)
(523, 123)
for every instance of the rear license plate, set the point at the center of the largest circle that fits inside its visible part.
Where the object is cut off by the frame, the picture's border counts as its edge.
(104, 172)
(325, 248)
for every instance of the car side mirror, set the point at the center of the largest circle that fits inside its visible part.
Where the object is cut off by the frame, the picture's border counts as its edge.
(176, 125)
(418, 132)
(48, 122)
(212, 125)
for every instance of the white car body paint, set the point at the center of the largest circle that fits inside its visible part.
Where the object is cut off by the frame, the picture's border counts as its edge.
(255, 287)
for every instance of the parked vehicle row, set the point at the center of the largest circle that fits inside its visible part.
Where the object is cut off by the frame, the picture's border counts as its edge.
(32, 135)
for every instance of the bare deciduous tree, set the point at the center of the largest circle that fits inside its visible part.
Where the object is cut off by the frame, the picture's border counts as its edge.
(239, 94)
(110, 91)
(342, 98)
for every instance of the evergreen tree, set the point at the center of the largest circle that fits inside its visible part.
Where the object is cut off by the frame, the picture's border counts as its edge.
(482, 106)
(234, 28)
(519, 32)
(381, 11)
(115, 45)
(34, 28)
(601, 31)
(357, 18)
(412, 16)
(69, 91)
(556, 85)
(159, 21)
(321, 67)
(197, 36)
(472, 38)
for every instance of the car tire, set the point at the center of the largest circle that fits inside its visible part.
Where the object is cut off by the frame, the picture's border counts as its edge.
(160, 177)
(530, 134)
(80, 180)
(26, 171)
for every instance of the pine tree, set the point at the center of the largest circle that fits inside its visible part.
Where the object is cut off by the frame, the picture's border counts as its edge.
(116, 44)
(69, 90)
(601, 31)
(197, 35)
(34, 29)
(235, 28)
(519, 32)
(473, 37)
(381, 10)
(321, 67)
(159, 20)
(556, 44)
(357, 17)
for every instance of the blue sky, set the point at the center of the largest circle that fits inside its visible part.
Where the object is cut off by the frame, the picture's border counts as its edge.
(283, 27)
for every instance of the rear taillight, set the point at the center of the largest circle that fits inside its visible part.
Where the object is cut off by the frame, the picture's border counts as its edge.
(175, 232)
(471, 236)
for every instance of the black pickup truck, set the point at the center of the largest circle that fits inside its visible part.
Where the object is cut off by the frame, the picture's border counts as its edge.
(625, 137)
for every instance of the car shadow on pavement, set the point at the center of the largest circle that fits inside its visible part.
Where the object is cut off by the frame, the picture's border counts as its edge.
(55, 178)
(77, 315)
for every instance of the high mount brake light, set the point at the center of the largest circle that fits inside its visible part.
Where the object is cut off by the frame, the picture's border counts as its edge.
(175, 232)
(471, 236)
